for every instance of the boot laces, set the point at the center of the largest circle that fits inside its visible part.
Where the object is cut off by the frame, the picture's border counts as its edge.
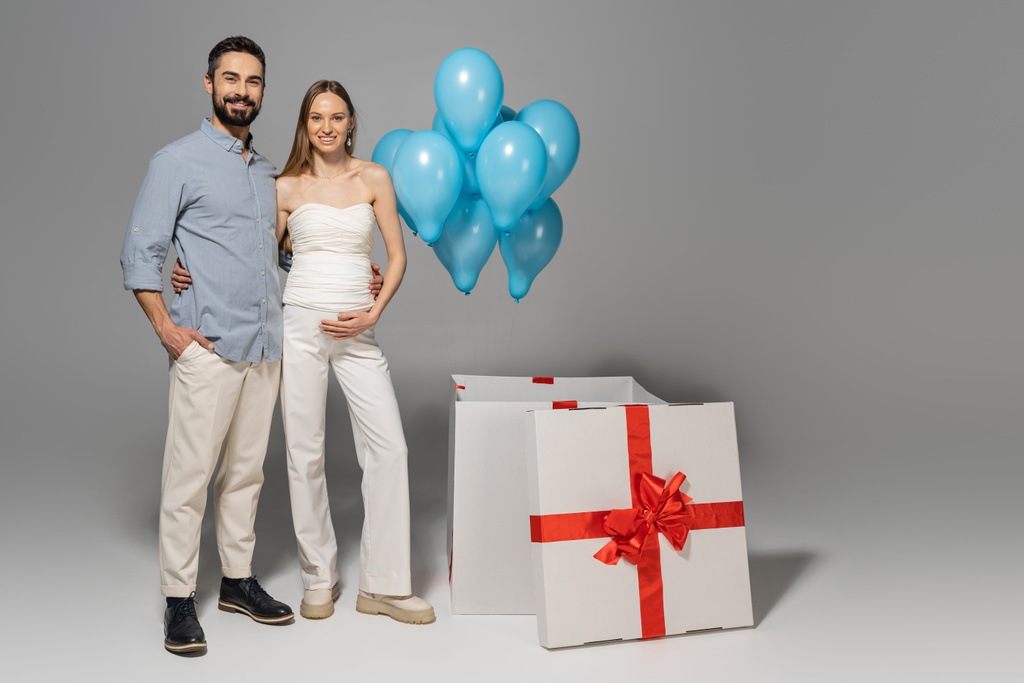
(187, 607)
(254, 587)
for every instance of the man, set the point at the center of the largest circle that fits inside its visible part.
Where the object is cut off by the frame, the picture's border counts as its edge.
(212, 196)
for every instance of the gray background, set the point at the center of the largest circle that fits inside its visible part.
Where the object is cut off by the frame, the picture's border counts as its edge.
(803, 207)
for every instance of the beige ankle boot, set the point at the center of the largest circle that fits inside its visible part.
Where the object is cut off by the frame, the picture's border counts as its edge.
(408, 608)
(319, 602)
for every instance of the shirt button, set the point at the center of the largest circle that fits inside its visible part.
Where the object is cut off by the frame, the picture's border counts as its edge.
(261, 246)
(136, 229)
(261, 272)
(254, 193)
(263, 324)
(263, 301)
(257, 220)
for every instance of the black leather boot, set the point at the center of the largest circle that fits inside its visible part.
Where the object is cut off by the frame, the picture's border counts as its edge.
(182, 632)
(248, 597)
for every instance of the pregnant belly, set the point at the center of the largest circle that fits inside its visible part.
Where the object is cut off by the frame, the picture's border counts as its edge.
(332, 282)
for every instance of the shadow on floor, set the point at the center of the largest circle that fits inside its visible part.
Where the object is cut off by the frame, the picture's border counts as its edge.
(771, 576)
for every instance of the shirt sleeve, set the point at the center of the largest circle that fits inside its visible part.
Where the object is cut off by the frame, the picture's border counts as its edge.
(151, 226)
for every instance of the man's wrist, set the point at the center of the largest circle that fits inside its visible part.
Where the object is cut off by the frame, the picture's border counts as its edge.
(165, 328)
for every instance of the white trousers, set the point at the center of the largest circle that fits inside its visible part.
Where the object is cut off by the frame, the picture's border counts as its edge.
(380, 447)
(218, 411)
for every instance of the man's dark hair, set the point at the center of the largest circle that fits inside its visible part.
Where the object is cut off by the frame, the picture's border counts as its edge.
(234, 44)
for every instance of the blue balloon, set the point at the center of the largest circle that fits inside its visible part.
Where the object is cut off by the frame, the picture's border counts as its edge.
(468, 90)
(467, 241)
(510, 168)
(506, 114)
(428, 176)
(384, 154)
(469, 182)
(530, 246)
(561, 135)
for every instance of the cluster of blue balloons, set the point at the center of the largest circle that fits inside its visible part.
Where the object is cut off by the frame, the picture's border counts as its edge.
(484, 174)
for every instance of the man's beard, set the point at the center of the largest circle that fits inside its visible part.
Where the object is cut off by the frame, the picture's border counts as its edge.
(225, 115)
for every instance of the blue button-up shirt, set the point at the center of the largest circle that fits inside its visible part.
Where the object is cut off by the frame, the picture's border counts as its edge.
(219, 211)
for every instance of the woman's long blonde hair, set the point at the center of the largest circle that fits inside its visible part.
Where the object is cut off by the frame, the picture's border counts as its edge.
(300, 160)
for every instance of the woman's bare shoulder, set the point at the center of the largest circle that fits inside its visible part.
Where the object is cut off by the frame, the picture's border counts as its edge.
(373, 172)
(286, 183)
(289, 191)
(375, 176)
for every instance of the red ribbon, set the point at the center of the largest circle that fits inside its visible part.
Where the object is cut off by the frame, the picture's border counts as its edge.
(661, 509)
(657, 507)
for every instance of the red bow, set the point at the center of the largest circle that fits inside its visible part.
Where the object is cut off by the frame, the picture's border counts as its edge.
(662, 509)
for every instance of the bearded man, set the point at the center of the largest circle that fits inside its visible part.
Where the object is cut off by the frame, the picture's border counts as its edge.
(212, 195)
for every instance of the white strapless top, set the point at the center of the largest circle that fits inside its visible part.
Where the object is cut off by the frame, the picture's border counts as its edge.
(330, 257)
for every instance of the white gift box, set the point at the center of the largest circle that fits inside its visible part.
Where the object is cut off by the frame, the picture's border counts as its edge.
(490, 570)
(581, 465)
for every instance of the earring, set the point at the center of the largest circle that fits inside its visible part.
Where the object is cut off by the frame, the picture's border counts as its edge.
(348, 142)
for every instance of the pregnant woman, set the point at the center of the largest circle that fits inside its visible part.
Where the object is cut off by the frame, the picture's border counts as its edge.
(329, 207)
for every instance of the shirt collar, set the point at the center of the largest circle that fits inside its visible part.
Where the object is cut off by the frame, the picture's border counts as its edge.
(224, 140)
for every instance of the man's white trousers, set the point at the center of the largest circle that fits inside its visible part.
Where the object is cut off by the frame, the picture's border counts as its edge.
(219, 411)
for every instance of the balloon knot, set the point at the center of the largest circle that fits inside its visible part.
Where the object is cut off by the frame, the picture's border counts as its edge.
(467, 293)
(516, 300)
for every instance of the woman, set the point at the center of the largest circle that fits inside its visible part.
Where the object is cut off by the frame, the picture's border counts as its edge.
(329, 203)
(328, 206)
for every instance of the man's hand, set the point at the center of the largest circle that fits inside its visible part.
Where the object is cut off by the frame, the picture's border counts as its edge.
(376, 282)
(176, 339)
(348, 324)
(180, 279)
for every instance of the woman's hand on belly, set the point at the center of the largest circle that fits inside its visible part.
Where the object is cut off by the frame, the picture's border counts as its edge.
(349, 324)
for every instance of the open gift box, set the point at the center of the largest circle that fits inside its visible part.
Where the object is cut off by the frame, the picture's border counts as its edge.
(490, 570)
(636, 519)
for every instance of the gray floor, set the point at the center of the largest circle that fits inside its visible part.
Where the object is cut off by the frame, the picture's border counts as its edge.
(856, 588)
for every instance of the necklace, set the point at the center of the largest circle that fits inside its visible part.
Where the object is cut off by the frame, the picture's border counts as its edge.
(333, 176)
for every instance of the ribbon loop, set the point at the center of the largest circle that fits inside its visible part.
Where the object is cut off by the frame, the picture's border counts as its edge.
(662, 508)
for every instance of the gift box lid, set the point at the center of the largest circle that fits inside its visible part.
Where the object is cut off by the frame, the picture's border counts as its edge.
(585, 464)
